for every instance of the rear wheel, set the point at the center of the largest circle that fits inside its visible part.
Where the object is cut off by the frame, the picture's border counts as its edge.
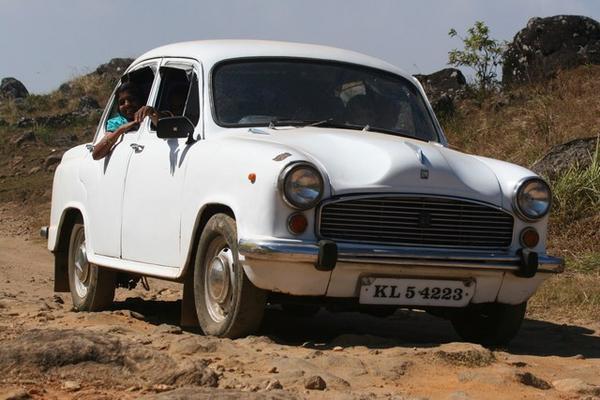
(491, 324)
(92, 287)
(227, 303)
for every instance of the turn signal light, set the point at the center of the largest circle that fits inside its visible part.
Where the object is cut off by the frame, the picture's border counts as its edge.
(297, 223)
(529, 237)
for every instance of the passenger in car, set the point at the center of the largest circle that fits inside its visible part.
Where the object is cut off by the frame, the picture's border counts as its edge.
(130, 114)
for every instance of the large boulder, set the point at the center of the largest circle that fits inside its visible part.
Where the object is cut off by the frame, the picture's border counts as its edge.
(577, 153)
(13, 88)
(442, 87)
(115, 67)
(547, 45)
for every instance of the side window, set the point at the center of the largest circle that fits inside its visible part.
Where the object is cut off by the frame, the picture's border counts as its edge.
(178, 93)
(142, 79)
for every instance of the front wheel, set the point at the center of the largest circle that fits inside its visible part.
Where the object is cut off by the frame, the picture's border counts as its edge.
(491, 324)
(92, 287)
(227, 303)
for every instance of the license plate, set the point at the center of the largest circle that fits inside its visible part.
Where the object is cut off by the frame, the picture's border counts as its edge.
(416, 292)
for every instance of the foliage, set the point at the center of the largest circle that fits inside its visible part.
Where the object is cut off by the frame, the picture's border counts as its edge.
(481, 53)
(577, 191)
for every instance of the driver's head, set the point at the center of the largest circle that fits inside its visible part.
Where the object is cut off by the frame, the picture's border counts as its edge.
(129, 99)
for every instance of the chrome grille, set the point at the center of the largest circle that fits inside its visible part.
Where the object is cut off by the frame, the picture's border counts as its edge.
(416, 221)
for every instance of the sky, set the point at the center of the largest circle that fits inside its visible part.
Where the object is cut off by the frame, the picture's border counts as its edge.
(44, 43)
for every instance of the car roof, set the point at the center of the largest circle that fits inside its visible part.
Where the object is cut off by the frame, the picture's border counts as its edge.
(210, 52)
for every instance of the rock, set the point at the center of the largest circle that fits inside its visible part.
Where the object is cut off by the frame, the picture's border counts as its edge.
(193, 345)
(25, 137)
(315, 382)
(573, 385)
(548, 45)
(65, 88)
(338, 348)
(87, 103)
(187, 393)
(458, 396)
(574, 154)
(71, 386)
(19, 394)
(57, 299)
(12, 88)
(53, 159)
(274, 385)
(166, 328)
(24, 122)
(465, 354)
(113, 69)
(528, 379)
(137, 315)
(442, 88)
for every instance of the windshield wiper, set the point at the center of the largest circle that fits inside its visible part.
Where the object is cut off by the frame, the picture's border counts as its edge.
(333, 123)
(300, 123)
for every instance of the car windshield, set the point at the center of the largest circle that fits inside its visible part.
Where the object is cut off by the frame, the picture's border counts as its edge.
(301, 92)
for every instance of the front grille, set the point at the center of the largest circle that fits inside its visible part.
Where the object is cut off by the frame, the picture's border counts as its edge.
(419, 221)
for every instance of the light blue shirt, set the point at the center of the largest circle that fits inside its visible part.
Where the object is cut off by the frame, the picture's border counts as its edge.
(114, 123)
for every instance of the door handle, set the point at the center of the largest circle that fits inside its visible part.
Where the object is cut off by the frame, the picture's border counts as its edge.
(137, 147)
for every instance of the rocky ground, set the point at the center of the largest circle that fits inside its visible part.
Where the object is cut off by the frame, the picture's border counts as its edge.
(137, 350)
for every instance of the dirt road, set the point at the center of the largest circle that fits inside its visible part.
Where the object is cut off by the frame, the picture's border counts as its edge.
(136, 350)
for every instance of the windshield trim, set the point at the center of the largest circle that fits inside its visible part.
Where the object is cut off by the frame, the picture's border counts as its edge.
(211, 76)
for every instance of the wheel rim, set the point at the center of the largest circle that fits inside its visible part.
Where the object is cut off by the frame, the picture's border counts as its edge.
(218, 280)
(82, 269)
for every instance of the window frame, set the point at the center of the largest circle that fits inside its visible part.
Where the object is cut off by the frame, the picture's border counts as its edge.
(439, 135)
(154, 64)
(182, 63)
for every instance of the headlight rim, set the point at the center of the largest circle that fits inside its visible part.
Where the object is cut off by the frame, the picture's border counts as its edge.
(287, 171)
(515, 199)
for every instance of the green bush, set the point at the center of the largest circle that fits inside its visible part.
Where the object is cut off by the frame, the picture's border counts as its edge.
(577, 191)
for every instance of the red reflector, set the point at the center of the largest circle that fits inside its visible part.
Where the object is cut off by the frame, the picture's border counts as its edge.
(252, 177)
(529, 237)
(297, 223)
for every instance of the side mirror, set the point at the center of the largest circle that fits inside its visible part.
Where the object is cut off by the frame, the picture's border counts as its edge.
(175, 128)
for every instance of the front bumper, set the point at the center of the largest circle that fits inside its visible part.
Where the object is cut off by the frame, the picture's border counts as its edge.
(290, 251)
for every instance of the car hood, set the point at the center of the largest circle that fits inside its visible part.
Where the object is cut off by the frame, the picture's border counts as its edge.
(371, 162)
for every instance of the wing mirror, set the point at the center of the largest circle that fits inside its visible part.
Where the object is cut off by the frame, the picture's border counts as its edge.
(175, 128)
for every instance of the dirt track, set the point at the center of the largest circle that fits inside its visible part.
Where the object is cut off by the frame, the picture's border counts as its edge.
(136, 350)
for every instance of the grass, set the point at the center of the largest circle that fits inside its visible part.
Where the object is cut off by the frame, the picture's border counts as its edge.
(577, 191)
(572, 296)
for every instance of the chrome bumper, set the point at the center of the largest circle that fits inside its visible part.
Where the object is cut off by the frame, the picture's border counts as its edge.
(296, 251)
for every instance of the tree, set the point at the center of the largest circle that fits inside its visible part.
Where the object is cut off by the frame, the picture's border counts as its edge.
(481, 53)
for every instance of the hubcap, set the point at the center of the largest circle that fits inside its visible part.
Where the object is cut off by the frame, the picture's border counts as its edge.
(82, 270)
(218, 281)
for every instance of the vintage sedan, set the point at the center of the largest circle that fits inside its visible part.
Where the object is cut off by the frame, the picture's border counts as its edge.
(298, 175)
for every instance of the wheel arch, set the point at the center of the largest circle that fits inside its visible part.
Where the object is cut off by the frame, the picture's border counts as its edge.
(189, 317)
(205, 213)
(69, 217)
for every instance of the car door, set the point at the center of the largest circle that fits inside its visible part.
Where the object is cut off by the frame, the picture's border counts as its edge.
(104, 179)
(153, 188)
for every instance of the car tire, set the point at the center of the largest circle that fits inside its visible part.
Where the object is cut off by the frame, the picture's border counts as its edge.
(491, 324)
(227, 303)
(92, 287)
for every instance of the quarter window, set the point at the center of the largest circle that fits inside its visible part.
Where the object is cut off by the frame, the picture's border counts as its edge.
(178, 93)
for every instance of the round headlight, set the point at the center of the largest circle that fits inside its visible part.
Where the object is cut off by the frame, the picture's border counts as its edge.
(532, 198)
(301, 185)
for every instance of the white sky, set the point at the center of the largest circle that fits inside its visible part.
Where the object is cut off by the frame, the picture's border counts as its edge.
(46, 42)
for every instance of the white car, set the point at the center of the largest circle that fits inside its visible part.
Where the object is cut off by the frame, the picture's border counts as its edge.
(299, 175)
